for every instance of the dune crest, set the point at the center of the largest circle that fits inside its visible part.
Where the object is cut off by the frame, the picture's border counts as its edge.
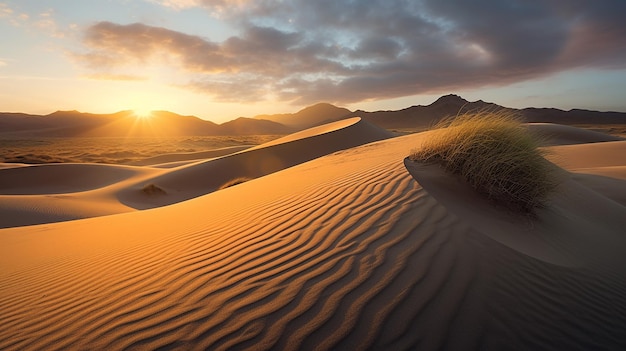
(201, 178)
(169, 159)
(91, 190)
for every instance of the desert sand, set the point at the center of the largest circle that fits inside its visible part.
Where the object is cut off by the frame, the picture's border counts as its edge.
(336, 242)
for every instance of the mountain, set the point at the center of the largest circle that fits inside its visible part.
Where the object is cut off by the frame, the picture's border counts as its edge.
(420, 116)
(424, 116)
(16, 122)
(244, 125)
(451, 105)
(310, 116)
(574, 116)
(127, 124)
(19, 121)
(163, 123)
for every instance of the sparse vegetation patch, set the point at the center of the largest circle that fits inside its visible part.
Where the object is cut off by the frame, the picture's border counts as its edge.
(495, 154)
(152, 190)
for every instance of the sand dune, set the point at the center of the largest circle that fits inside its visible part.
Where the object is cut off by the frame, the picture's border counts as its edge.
(599, 166)
(168, 159)
(61, 192)
(201, 178)
(116, 189)
(62, 178)
(557, 134)
(347, 251)
(589, 155)
(561, 229)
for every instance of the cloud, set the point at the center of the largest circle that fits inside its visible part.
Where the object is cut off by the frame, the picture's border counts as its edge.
(44, 22)
(216, 7)
(346, 51)
(11, 16)
(176, 4)
(5, 10)
(241, 67)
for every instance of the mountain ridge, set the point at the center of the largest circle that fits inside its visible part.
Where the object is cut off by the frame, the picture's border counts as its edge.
(308, 116)
(126, 123)
(164, 123)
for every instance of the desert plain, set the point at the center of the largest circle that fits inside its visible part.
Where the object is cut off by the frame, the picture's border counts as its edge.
(333, 239)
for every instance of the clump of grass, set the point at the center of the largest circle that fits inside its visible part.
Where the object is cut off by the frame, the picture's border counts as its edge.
(152, 189)
(234, 182)
(496, 155)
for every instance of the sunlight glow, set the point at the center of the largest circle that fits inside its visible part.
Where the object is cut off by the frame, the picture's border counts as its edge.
(141, 113)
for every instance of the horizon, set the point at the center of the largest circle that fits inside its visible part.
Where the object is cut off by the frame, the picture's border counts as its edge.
(220, 62)
(221, 121)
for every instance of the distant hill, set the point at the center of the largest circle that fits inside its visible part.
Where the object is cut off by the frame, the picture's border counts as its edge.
(125, 123)
(18, 122)
(575, 116)
(310, 116)
(451, 105)
(424, 116)
(247, 126)
(163, 123)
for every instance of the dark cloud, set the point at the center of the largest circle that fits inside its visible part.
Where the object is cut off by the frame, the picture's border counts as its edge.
(347, 50)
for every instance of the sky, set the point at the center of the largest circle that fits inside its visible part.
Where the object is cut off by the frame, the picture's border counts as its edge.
(219, 59)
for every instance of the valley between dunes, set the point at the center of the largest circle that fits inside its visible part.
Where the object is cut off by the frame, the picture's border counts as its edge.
(336, 242)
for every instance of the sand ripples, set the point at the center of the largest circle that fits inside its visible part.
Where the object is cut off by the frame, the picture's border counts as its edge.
(368, 260)
(284, 274)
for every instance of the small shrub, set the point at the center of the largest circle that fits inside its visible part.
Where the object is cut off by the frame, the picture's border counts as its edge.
(151, 189)
(234, 182)
(495, 154)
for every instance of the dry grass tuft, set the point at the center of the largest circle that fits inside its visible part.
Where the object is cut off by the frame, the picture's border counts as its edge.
(234, 182)
(151, 189)
(496, 155)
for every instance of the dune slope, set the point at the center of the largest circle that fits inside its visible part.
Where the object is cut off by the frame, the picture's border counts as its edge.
(200, 178)
(158, 161)
(344, 252)
(61, 192)
(558, 134)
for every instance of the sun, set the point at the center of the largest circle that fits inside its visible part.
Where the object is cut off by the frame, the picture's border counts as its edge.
(142, 113)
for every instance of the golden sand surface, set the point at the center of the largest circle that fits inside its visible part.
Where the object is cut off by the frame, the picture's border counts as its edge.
(336, 243)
